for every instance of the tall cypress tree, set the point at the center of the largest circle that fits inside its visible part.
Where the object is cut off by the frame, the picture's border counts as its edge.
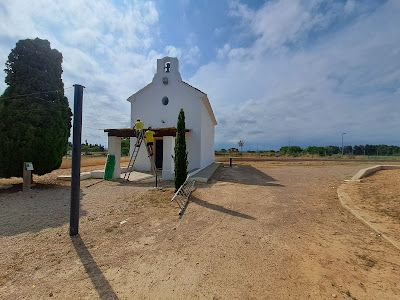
(181, 162)
(35, 118)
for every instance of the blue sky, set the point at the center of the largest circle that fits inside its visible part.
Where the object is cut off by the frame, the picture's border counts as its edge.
(276, 72)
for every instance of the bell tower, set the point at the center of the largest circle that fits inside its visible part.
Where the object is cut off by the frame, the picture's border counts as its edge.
(168, 67)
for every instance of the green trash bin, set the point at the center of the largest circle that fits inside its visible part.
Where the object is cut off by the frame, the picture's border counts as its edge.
(110, 166)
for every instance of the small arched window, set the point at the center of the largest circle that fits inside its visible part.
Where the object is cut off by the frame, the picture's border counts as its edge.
(167, 67)
(164, 100)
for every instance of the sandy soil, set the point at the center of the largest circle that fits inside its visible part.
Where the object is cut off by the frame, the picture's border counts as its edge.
(379, 197)
(263, 230)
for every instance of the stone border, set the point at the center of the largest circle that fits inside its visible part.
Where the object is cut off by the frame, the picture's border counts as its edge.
(96, 174)
(368, 171)
(84, 176)
(360, 214)
(99, 174)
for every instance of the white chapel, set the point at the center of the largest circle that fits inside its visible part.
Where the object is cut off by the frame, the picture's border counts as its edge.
(158, 105)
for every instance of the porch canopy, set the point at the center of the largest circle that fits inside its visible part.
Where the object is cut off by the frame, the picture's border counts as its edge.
(129, 132)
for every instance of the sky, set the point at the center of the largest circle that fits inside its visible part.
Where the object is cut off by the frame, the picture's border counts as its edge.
(277, 73)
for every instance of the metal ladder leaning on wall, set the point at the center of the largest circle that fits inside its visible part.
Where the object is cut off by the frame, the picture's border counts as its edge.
(134, 155)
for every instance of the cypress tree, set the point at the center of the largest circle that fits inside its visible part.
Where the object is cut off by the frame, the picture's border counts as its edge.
(35, 118)
(181, 162)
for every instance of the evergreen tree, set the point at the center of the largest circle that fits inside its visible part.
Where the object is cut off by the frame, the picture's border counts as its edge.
(125, 146)
(181, 162)
(35, 118)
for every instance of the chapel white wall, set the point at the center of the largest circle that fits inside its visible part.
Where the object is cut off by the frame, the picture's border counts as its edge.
(148, 107)
(207, 139)
(142, 162)
(114, 148)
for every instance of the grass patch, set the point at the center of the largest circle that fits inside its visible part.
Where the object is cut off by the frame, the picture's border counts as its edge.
(159, 197)
(368, 261)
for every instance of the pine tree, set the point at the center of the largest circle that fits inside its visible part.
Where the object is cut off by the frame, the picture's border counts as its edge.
(181, 162)
(35, 118)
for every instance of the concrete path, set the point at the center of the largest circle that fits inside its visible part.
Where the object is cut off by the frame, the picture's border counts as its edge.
(205, 174)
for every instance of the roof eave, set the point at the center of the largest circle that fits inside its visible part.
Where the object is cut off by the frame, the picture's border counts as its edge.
(132, 98)
(209, 109)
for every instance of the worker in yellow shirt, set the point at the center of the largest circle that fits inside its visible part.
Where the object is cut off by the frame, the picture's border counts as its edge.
(149, 135)
(138, 126)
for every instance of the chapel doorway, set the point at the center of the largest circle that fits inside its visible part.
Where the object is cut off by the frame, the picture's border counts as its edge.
(159, 153)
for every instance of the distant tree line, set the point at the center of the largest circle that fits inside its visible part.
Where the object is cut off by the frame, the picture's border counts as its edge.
(383, 150)
(370, 150)
(92, 148)
(89, 147)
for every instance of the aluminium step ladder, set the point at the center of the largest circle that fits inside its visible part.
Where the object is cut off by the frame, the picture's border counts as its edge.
(134, 155)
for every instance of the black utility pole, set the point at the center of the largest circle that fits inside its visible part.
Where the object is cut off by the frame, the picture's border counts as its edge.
(76, 160)
(343, 133)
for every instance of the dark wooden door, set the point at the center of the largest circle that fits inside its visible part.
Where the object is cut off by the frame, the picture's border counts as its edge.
(159, 153)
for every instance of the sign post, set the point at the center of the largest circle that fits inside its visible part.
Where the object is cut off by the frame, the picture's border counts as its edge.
(27, 176)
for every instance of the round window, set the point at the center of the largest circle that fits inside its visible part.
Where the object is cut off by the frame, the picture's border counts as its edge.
(165, 100)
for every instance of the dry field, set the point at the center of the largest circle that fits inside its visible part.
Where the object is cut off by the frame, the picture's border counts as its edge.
(258, 230)
(88, 160)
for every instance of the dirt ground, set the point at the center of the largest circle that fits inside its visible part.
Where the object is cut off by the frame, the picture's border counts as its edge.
(379, 197)
(261, 230)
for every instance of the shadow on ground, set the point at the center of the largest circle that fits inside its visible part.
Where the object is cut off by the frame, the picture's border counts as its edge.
(100, 283)
(150, 183)
(243, 174)
(44, 206)
(218, 208)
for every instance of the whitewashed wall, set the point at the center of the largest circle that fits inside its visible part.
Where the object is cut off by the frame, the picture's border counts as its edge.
(147, 106)
(207, 139)
(142, 162)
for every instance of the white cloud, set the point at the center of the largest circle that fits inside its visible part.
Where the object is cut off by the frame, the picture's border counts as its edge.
(83, 37)
(238, 9)
(281, 22)
(187, 56)
(223, 52)
(344, 83)
(106, 47)
(218, 31)
(173, 51)
(192, 56)
(270, 82)
(350, 6)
